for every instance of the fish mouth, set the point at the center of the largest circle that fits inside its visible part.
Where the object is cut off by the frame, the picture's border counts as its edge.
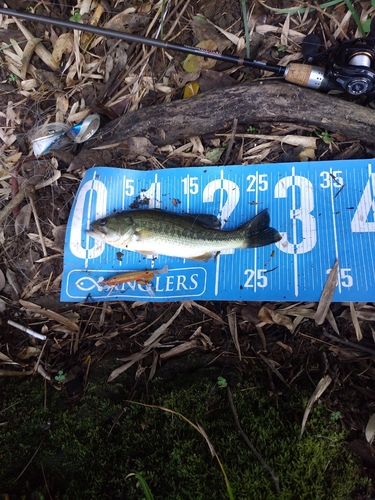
(94, 233)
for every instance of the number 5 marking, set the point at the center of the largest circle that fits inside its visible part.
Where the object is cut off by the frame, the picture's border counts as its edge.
(302, 213)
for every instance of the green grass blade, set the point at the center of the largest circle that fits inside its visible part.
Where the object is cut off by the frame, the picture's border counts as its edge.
(247, 38)
(227, 483)
(294, 10)
(355, 16)
(162, 19)
(144, 485)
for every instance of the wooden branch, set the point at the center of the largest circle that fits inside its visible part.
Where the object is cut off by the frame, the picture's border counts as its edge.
(272, 102)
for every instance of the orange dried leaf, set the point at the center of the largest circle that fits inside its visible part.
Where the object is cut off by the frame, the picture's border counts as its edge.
(191, 89)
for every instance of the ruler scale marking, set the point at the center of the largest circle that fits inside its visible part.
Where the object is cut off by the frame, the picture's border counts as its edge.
(295, 269)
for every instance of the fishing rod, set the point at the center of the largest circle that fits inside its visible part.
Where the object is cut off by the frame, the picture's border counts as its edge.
(350, 65)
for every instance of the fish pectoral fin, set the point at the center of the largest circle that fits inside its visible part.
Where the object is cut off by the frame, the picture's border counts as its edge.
(147, 252)
(142, 234)
(204, 257)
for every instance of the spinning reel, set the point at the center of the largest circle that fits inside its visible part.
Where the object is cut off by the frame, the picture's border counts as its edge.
(349, 66)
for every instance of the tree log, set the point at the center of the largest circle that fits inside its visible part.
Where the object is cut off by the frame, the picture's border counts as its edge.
(272, 102)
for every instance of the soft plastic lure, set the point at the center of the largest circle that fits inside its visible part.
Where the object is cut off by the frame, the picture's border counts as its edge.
(141, 277)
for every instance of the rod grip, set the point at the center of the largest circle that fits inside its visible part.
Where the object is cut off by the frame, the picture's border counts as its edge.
(299, 74)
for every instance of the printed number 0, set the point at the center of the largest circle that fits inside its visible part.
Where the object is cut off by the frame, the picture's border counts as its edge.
(302, 213)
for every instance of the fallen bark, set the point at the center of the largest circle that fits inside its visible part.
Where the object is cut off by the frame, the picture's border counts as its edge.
(272, 102)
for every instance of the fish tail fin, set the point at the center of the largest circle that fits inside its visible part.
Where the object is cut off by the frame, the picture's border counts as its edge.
(258, 232)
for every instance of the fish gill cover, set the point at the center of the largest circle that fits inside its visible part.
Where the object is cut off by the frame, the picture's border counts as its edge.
(324, 212)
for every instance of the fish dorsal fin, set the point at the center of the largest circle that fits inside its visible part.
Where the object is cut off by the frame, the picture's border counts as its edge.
(205, 220)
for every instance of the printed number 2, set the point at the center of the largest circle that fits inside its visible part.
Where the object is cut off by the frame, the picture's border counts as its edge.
(261, 278)
(257, 181)
(223, 186)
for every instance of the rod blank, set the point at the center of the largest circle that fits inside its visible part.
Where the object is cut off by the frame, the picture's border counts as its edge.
(129, 37)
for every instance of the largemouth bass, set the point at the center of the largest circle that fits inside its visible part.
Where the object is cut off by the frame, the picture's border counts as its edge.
(154, 232)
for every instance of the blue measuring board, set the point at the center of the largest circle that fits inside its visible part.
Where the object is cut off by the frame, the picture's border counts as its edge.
(325, 211)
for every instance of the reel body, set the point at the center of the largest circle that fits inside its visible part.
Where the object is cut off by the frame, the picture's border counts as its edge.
(349, 66)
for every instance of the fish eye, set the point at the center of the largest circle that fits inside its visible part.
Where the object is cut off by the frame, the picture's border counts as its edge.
(103, 222)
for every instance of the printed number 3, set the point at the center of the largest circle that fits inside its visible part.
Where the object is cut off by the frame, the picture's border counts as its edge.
(302, 213)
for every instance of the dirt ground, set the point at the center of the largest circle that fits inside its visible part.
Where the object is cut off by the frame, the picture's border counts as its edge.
(106, 77)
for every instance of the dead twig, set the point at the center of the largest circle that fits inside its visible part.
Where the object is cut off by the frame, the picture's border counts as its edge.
(231, 141)
(275, 478)
(29, 462)
(36, 218)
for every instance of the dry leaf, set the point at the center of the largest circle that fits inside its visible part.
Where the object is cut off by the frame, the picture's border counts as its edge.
(163, 328)
(327, 294)
(180, 349)
(128, 21)
(355, 321)
(136, 146)
(307, 154)
(2, 280)
(274, 366)
(270, 317)
(5, 359)
(40, 50)
(132, 359)
(23, 219)
(320, 388)
(214, 155)
(194, 63)
(370, 429)
(232, 323)
(207, 311)
(12, 280)
(50, 314)
(191, 89)
(28, 352)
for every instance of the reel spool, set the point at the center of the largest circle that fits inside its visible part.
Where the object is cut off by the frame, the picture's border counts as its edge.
(350, 65)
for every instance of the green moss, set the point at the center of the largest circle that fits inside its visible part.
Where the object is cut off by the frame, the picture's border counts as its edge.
(80, 458)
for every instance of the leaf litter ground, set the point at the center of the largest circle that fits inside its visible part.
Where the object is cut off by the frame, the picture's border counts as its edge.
(71, 75)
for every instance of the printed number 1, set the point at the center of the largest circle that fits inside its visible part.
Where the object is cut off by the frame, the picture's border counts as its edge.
(190, 185)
